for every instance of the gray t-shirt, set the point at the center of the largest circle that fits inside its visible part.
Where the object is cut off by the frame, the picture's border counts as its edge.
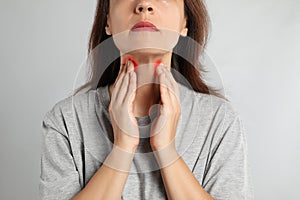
(210, 137)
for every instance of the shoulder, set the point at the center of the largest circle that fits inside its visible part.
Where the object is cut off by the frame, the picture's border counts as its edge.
(225, 122)
(62, 113)
(209, 103)
(75, 101)
(218, 114)
(218, 105)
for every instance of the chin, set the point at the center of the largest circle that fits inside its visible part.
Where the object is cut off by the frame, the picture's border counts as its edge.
(147, 51)
(146, 42)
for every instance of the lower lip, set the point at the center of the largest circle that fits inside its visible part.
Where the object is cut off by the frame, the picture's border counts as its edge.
(152, 29)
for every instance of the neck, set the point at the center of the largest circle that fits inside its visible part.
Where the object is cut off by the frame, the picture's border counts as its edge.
(147, 93)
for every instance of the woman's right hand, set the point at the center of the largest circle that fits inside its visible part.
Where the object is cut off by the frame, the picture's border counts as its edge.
(125, 127)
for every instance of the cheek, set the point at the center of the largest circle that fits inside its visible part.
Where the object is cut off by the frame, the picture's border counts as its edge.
(172, 23)
(119, 25)
(119, 18)
(170, 14)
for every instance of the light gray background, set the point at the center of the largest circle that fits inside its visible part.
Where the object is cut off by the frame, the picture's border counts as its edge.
(254, 45)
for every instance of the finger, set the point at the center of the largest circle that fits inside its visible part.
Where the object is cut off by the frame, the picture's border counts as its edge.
(169, 84)
(123, 88)
(119, 82)
(162, 86)
(172, 83)
(121, 70)
(165, 81)
(131, 92)
(169, 76)
(125, 83)
(130, 66)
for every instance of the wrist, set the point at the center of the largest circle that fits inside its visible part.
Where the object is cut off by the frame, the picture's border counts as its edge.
(165, 156)
(119, 159)
(125, 147)
(158, 147)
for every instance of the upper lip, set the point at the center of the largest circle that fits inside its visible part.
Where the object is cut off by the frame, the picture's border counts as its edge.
(144, 24)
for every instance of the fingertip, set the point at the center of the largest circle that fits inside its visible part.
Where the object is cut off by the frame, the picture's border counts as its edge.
(157, 63)
(125, 61)
(133, 61)
(128, 63)
(159, 69)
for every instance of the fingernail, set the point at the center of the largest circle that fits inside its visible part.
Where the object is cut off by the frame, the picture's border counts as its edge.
(127, 63)
(160, 67)
(157, 70)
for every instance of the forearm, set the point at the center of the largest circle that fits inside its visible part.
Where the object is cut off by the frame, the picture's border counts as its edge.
(179, 181)
(109, 181)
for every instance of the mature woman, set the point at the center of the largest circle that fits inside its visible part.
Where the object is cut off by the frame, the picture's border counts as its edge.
(148, 127)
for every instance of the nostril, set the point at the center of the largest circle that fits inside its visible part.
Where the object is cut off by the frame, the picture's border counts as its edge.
(149, 9)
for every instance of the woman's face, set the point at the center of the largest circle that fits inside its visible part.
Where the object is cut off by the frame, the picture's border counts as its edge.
(166, 15)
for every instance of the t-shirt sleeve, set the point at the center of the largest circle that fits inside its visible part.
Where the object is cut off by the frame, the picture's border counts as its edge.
(59, 178)
(227, 173)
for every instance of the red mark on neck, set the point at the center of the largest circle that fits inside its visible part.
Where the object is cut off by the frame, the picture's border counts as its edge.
(157, 62)
(135, 63)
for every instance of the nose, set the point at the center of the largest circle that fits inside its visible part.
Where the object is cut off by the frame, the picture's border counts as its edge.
(144, 7)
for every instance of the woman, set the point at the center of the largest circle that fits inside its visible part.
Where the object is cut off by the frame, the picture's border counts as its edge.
(117, 140)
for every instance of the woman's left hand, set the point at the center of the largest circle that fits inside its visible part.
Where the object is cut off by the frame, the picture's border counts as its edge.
(163, 128)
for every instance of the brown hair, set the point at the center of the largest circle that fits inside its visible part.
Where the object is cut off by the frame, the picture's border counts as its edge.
(198, 30)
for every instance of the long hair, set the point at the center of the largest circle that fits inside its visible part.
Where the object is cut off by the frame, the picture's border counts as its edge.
(187, 64)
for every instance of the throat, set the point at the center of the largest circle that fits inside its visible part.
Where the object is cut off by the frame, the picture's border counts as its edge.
(145, 98)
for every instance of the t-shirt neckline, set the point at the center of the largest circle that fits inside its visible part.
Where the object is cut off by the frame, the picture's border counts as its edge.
(103, 94)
